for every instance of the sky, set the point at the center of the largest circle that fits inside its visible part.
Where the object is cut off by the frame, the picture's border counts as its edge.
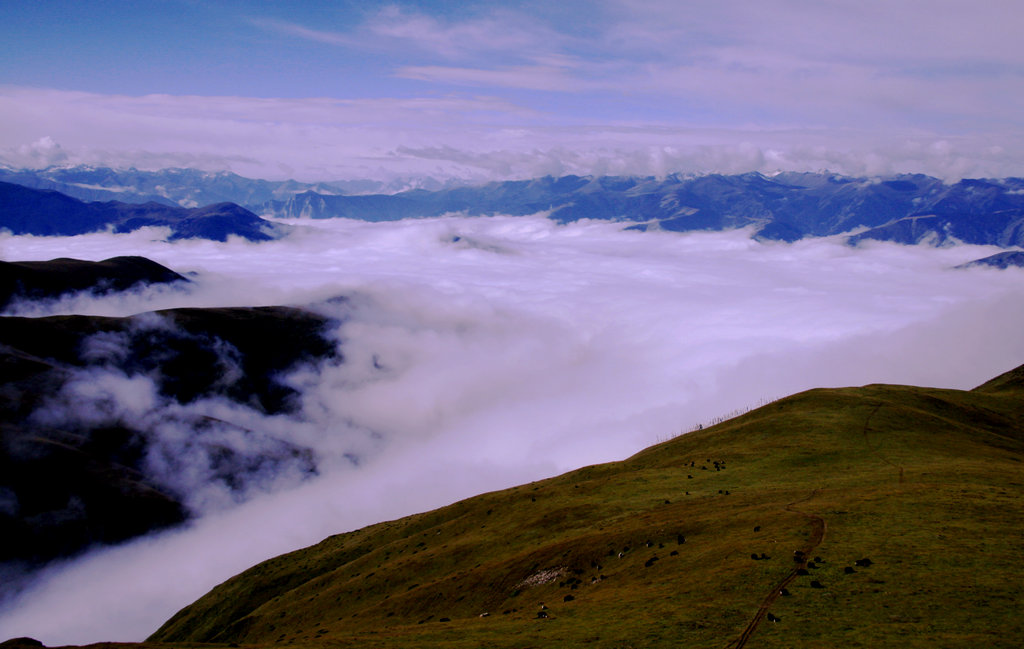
(517, 349)
(487, 90)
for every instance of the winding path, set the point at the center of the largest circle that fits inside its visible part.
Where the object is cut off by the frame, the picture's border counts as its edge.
(818, 528)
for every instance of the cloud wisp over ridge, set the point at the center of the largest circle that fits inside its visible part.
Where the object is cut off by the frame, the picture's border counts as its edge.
(495, 351)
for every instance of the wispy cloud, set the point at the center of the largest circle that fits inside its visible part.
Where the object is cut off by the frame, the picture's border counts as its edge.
(400, 31)
(549, 78)
(300, 31)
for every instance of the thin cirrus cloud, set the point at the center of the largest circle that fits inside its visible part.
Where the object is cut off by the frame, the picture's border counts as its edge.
(535, 77)
(496, 32)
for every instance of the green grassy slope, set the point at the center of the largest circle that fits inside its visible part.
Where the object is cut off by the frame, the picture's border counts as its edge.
(656, 551)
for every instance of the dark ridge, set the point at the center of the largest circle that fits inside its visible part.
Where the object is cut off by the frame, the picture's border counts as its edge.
(1012, 381)
(40, 280)
(71, 485)
(1009, 259)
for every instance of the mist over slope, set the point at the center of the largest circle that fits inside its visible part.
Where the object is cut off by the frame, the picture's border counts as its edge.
(483, 353)
(838, 517)
(115, 427)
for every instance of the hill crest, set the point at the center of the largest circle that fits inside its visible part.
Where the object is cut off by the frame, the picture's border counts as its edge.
(869, 506)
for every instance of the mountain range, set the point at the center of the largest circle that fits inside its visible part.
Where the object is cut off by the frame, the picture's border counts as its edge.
(190, 187)
(907, 209)
(785, 207)
(49, 213)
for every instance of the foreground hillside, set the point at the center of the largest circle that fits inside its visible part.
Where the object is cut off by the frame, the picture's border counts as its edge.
(857, 517)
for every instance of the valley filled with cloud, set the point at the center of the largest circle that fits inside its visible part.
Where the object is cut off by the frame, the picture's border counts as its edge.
(479, 353)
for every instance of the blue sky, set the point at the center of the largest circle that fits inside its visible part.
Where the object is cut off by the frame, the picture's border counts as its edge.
(487, 90)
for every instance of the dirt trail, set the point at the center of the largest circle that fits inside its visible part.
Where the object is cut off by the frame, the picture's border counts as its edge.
(817, 536)
(818, 528)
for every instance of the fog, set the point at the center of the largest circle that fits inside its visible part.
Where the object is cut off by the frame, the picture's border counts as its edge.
(480, 353)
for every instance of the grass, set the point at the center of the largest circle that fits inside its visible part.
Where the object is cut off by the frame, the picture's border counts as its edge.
(924, 482)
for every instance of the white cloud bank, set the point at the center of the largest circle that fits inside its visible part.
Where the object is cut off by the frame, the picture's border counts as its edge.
(473, 138)
(497, 91)
(493, 351)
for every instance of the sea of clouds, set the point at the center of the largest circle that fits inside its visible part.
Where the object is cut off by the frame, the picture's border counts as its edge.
(480, 353)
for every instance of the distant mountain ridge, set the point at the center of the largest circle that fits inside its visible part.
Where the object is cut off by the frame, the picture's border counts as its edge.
(50, 213)
(907, 209)
(190, 187)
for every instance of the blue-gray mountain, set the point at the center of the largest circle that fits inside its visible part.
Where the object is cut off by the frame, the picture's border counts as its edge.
(190, 187)
(1008, 259)
(906, 209)
(49, 213)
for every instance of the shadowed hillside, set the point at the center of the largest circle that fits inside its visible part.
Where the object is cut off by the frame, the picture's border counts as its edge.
(35, 280)
(857, 517)
(83, 480)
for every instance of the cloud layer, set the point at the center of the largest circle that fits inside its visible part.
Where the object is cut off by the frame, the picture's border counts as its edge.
(491, 91)
(481, 353)
(472, 138)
